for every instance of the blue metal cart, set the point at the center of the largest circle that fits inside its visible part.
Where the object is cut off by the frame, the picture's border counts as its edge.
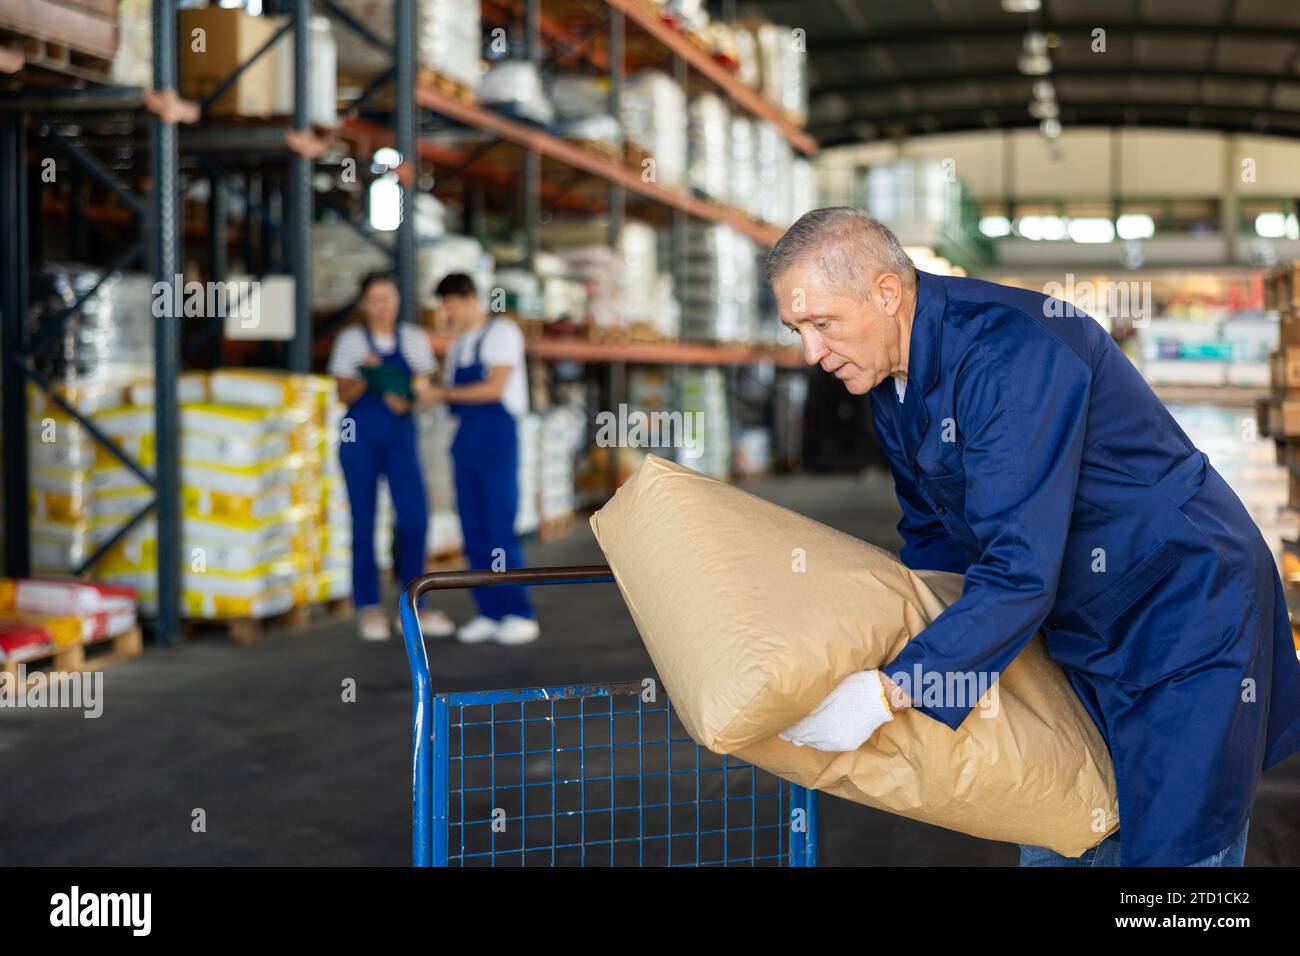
(584, 774)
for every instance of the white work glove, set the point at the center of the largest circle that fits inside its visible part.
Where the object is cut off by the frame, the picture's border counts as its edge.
(847, 718)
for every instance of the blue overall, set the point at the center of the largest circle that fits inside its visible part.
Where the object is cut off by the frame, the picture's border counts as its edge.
(1030, 455)
(485, 454)
(385, 444)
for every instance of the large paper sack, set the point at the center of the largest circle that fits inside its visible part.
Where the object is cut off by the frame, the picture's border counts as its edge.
(752, 614)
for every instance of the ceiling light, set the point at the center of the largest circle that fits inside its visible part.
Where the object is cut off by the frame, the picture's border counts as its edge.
(1034, 64)
(1051, 128)
(1044, 110)
(995, 226)
(1044, 90)
(1022, 6)
(1092, 229)
(1135, 225)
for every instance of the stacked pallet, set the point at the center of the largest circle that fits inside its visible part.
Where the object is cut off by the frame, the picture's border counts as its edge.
(1279, 414)
(64, 624)
(67, 36)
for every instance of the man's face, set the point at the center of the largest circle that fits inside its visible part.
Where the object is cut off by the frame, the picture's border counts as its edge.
(858, 340)
(459, 310)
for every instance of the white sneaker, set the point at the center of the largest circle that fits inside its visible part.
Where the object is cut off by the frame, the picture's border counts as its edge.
(517, 630)
(435, 623)
(478, 630)
(374, 625)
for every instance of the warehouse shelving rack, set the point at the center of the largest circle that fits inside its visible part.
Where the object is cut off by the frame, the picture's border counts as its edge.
(418, 110)
(156, 215)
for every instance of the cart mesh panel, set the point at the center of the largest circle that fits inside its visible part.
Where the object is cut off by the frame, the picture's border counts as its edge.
(598, 776)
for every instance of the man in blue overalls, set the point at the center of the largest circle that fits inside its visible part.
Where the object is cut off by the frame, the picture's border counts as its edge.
(487, 390)
(1029, 454)
(382, 367)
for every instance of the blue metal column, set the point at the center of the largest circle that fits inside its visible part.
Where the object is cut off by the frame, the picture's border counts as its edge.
(300, 193)
(167, 336)
(13, 316)
(404, 141)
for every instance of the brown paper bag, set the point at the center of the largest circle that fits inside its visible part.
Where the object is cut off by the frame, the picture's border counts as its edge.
(752, 614)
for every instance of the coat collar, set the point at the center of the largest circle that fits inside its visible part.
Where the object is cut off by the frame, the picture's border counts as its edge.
(922, 361)
(927, 326)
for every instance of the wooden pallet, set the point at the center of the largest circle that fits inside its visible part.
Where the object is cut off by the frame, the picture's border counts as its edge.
(645, 332)
(552, 529)
(81, 657)
(606, 151)
(634, 155)
(450, 560)
(446, 85)
(604, 333)
(252, 630)
(54, 57)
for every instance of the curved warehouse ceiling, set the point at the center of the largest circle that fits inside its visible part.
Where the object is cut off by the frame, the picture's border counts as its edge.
(886, 68)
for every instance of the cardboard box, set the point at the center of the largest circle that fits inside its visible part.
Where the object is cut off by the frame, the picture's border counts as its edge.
(229, 37)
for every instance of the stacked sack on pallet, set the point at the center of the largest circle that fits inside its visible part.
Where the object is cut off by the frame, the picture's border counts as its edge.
(265, 524)
(655, 118)
(98, 350)
(563, 433)
(702, 398)
(708, 146)
(38, 617)
(305, 410)
(721, 289)
(448, 38)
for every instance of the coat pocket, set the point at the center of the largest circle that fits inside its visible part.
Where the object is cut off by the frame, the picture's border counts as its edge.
(1099, 612)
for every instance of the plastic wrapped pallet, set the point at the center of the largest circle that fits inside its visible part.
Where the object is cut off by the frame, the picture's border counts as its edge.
(514, 87)
(638, 247)
(747, 644)
(563, 433)
(721, 289)
(108, 341)
(783, 65)
(742, 163)
(708, 168)
(340, 259)
(702, 395)
(655, 118)
(528, 515)
(803, 188)
(448, 38)
(774, 159)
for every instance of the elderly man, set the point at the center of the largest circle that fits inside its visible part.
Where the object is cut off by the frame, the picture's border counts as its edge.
(1029, 454)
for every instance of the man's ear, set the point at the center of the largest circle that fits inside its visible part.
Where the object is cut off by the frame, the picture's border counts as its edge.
(889, 293)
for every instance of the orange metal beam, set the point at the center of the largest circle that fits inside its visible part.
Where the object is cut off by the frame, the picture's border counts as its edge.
(543, 143)
(648, 353)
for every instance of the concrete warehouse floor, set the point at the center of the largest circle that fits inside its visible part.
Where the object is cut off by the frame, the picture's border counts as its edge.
(287, 773)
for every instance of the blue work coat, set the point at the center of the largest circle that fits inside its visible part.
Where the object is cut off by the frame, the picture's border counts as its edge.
(1030, 455)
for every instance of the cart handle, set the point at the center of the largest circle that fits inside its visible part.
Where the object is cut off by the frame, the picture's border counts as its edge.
(422, 723)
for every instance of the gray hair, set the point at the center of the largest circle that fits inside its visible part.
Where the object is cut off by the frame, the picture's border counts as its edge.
(850, 248)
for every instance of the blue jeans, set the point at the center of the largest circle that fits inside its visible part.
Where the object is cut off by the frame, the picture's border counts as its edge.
(1106, 853)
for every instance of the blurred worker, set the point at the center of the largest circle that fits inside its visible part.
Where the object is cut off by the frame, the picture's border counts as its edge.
(382, 368)
(1029, 455)
(487, 390)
